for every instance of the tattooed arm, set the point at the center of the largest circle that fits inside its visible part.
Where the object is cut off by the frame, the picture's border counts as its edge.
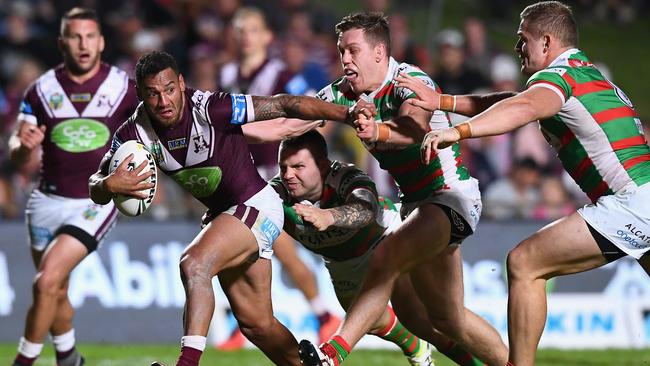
(354, 214)
(302, 107)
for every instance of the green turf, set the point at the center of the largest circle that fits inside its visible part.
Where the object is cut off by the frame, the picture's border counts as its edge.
(112, 355)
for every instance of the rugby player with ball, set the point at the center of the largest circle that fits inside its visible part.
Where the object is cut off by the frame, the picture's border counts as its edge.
(196, 138)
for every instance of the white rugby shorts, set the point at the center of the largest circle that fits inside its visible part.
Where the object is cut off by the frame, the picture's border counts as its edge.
(462, 196)
(48, 215)
(264, 215)
(623, 218)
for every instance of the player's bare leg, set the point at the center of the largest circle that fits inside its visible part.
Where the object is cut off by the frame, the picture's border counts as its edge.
(248, 288)
(53, 268)
(413, 314)
(563, 247)
(224, 243)
(438, 282)
(423, 234)
(389, 327)
(418, 237)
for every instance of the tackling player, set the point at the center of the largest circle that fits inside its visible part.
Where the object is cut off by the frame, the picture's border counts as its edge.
(441, 203)
(600, 142)
(333, 209)
(69, 113)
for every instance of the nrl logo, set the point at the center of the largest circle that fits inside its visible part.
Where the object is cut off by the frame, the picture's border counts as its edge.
(56, 101)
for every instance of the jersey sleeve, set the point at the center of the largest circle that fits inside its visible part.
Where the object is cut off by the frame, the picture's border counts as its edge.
(227, 110)
(403, 93)
(326, 94)
(123, 134)
(356, 185)
(27, 110)
(553, 78)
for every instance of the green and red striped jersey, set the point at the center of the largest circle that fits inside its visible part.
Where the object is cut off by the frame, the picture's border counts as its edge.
(415, 180)
(336, 243)
(597, 134)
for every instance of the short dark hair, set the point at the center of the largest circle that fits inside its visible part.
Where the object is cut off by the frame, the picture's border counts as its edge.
(80, 13)
(152, 63)
(312, 141)
(374, 26)
(553, 17)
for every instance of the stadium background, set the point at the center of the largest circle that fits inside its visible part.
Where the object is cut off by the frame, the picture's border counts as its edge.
(129, 291)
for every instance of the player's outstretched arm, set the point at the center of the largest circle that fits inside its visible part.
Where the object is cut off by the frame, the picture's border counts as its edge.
(507, 115)
(430, 100)
(302, 107)
(103, 186)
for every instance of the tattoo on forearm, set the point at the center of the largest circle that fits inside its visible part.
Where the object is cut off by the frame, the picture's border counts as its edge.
(276, 107)
(353, 216)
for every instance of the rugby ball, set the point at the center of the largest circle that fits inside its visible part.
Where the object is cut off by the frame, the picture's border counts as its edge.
(132, 206)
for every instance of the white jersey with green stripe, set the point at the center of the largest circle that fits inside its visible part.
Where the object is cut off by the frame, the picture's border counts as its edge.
(343, 182)
(415, 180)
(597, 133)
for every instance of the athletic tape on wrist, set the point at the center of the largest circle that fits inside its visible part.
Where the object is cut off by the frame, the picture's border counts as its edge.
(464, 130)
(447, 102)
(383, 132)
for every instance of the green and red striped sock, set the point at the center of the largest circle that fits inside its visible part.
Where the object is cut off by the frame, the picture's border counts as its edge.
(337, 349)
(396, 332)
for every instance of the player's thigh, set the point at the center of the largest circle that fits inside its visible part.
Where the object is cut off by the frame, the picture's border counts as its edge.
(248, 289)
(407, 305)
(63, 254)
(563, 247)
(224, 243)
(422, 235)
(438, 282)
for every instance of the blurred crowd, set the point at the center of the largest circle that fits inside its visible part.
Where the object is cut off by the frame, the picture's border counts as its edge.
(520, 178)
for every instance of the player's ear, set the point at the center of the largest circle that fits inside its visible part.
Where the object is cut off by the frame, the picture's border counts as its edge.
(380, 51)
(102, 44)
(181, 82)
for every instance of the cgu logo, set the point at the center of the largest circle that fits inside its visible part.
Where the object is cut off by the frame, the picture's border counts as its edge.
(80, 135)
(200, 182)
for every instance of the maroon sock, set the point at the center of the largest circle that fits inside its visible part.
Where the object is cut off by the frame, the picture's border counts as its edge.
(189, 357)
(23, 361)
(64, 354)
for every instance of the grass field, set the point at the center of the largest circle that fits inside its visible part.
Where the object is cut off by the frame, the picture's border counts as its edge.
(143, 355)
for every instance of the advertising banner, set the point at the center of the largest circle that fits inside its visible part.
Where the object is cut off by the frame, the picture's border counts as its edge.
(130, 291)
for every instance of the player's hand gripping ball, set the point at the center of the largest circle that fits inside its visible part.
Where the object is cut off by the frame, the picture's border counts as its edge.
(132, 206)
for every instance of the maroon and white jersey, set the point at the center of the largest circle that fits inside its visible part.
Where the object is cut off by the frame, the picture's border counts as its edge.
(80, 120)
(269, 79)
(205, 152)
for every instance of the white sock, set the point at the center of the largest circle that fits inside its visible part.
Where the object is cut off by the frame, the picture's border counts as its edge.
(196, 342)
(318, 305)
(29, 349)
(64, 342)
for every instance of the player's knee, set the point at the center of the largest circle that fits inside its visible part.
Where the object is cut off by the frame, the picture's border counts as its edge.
(384, 262)
(192, 267)
(257, 331)
(48, 283)
(453, 327)
(518, 262)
